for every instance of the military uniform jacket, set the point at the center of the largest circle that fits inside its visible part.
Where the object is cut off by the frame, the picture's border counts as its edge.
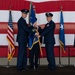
(23, 31)
(48, 33)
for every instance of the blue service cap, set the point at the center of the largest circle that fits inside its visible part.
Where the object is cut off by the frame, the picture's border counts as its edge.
(25, 11)
(49, 15)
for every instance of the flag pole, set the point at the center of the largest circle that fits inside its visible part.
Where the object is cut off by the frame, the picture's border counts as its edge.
(74, 47)
(60, 56)
(29, 13)
(29, 25)
(39, 44)
(60, 50)
(35, 30)
(8, 65)
(29, 19)
(74, 39)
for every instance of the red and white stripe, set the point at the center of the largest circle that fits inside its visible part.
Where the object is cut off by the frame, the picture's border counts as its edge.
(42, 6)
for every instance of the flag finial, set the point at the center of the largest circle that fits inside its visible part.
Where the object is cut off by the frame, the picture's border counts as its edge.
(61, 8)
(10, 7)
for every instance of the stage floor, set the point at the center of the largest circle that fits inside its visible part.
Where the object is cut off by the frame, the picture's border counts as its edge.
(42, 70)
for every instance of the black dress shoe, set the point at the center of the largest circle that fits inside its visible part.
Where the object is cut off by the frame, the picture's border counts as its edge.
(52, 69)
(31, 67)
(36, 67)
(19, 69)
(25, 69)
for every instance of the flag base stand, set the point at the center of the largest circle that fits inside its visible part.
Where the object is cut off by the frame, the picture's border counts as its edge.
(7, 66)
(60, 65)
(60, 57)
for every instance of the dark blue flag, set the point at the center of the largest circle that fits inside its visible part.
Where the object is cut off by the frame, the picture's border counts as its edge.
(62, 34)
(32, 38)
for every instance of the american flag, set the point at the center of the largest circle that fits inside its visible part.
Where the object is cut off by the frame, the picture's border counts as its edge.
(10, 38)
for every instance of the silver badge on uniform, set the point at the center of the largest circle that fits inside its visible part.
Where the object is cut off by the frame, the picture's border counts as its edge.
(47, 25)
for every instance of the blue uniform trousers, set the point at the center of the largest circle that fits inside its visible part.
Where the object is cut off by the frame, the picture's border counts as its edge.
(34, 55)
(22, 56)
(50, 56)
